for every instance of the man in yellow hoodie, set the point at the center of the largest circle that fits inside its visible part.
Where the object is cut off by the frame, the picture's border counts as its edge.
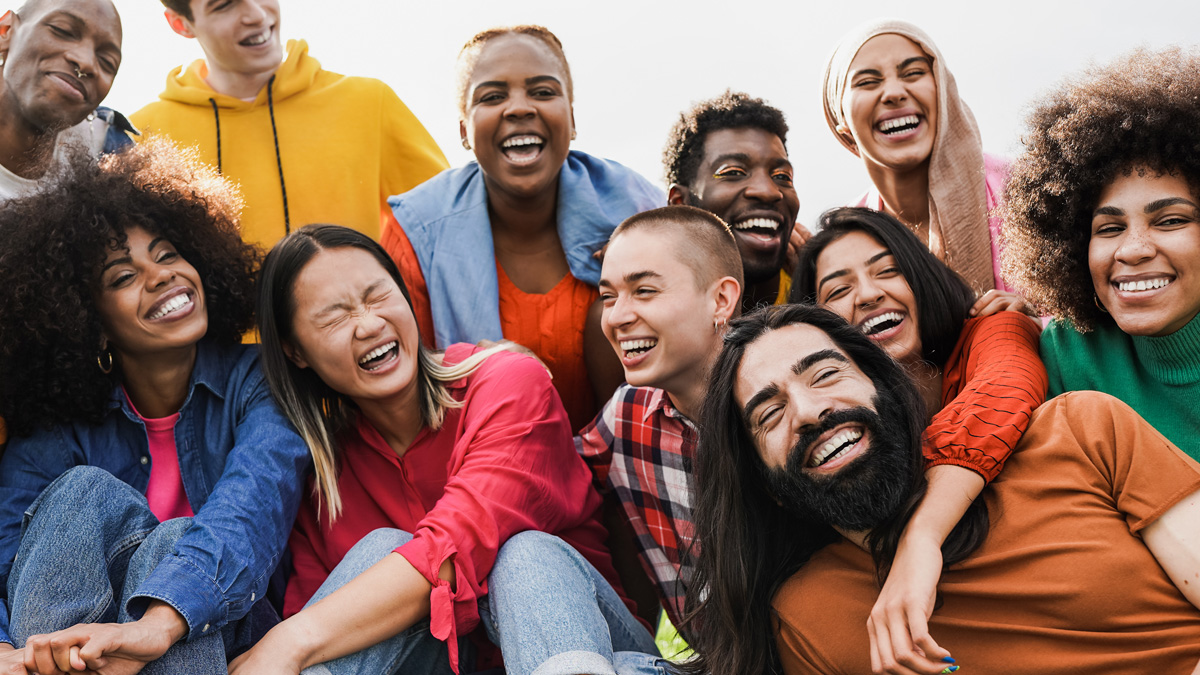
(305, 145)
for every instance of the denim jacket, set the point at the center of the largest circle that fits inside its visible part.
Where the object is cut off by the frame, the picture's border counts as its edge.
(242, 464)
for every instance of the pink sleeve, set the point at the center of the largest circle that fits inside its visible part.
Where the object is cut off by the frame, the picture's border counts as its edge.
(995, 178)
(513, 468)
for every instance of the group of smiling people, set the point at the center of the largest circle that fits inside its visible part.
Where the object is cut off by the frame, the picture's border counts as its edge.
(827, 452)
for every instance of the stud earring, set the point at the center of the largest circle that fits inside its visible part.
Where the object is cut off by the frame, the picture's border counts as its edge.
(466, 144)
(572, 134)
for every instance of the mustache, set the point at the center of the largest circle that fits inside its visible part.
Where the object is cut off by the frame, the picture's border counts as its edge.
(864, 416)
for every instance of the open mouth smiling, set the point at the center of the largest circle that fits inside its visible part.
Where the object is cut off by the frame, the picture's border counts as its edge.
(523, 148)
(898, 125)
(634, 348)
(881, 323)
(834, 448)
(1143, 285)
(258, 39)
(380, 356)
(170, 305)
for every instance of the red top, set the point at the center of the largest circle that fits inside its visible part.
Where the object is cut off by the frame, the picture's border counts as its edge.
(991, 384)
(501, 464)
(164, 491)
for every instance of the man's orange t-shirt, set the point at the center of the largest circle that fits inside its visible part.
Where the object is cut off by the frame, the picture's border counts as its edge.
(1063, 583)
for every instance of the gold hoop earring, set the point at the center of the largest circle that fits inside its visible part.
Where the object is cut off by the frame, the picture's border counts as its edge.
(100, 361)
(466, 144)
(1099, 305)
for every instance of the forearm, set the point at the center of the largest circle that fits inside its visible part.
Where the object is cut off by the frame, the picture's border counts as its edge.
(949, 494)
(386, 599)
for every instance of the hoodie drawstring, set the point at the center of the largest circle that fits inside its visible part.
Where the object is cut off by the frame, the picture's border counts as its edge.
(287, 222)
(217, 117)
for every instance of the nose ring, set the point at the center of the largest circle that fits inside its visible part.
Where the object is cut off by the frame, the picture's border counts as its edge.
(80, 74)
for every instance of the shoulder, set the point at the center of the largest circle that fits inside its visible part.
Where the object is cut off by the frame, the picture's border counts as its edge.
(440, 197)
(1006, 323)
(1062, 341)
(515, 374)
(228, 369)
(606, 173)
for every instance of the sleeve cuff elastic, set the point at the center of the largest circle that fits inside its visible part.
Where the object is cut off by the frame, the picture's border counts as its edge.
(184, 587)
(987, 476)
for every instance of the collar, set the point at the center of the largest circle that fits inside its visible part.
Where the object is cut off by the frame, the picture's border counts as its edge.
(1172, 359)
(211, 372)
(660, 402)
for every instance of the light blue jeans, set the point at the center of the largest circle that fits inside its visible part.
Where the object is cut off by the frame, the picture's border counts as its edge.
(550, 611)
(87, 542)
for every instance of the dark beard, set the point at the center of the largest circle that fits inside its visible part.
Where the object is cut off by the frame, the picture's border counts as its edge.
(865, 493)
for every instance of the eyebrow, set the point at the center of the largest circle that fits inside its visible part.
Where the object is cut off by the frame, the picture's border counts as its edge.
(128, 258)
(735, 156)
(843, 272)
(528, 81)
(1169, 201)
(903, 64)
(801, 365)
(342, 305)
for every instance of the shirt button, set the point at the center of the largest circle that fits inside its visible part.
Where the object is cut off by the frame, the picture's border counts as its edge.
(205, 629)
(145, 460)
(251, 597)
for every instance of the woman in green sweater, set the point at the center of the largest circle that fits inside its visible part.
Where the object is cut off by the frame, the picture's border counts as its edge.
(1103, 231)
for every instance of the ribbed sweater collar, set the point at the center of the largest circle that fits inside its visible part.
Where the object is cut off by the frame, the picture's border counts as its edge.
(1174, 358)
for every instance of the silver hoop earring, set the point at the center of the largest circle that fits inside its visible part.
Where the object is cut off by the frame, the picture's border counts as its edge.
(719, 325)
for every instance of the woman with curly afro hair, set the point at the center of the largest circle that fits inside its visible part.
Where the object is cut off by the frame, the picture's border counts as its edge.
(150, 483)
(1103, 231)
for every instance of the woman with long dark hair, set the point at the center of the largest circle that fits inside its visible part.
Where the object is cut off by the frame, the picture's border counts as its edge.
(150, 482)
(980, 377)
(447, 492)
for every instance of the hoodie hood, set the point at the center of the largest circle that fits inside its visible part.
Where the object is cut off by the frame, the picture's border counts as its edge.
(295, 75)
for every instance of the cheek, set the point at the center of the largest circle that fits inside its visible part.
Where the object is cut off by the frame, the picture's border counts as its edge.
(1099, 261)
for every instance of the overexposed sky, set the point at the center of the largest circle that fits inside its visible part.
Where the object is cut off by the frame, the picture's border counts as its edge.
(637, 64)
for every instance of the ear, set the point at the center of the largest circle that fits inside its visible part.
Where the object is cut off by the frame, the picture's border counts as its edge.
(727, 298)
(179, 24)
(462, 133)
(294, 355)
(6, 26)
(677, 194)
(843, 132)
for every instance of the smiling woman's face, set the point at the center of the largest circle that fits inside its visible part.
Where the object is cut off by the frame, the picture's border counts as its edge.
(518, 117)
(149, 298)
(1144, 252)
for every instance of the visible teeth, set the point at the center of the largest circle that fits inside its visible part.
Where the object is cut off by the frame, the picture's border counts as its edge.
(757, 223)
(1132, 286)
(868, 325)
(833, 445)
(521, 140)
(171, 305)
(908, 120)
(257, 39)
(377, 352)
(633, 345)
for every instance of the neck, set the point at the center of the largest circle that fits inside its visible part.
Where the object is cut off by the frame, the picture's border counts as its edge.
(158, 383)
(519, 218)
(905, 194)
(858, 538)
(238, 85)
(24, 149)
(687, 396)
(397, 419)
(760, 294)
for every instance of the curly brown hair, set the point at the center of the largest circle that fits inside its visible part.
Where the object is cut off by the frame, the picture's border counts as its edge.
(1140, 112)
(55, 242)
(684, 150)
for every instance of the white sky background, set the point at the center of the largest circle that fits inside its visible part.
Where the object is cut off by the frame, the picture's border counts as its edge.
(637, 64)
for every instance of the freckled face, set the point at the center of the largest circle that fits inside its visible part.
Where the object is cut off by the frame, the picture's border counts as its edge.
(1144, 252)
(890, 104)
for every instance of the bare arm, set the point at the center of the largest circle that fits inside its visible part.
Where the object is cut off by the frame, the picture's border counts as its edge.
(1174, 540)
(381, 602)
(899, 621)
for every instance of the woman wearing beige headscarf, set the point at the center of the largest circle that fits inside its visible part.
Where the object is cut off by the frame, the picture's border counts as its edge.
(890, 99)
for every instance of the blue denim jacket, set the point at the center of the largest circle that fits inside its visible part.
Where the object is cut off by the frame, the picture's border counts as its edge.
(243, 466)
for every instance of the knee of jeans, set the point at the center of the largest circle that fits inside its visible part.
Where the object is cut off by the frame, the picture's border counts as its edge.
(379, 543)
(83, 489)
(159, 543)
(532, 550)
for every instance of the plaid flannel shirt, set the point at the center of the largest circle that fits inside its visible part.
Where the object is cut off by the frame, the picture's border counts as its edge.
(641, 448)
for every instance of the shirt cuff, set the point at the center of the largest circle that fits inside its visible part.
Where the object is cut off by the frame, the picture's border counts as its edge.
(186, 588)
(443, 622)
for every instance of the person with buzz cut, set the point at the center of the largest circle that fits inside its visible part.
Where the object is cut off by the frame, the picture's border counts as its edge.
(304, 144)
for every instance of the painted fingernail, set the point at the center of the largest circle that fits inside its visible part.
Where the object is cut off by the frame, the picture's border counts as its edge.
(948, 659)
(949, 669)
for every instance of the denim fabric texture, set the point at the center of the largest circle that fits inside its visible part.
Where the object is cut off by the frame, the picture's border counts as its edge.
(243, 468)
(87, 542)
(552, 613)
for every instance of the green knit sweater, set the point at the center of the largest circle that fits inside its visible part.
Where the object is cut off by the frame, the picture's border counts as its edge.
(1159, 377)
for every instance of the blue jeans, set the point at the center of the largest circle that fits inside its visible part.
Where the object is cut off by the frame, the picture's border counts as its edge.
(87, 542)
(552, 613)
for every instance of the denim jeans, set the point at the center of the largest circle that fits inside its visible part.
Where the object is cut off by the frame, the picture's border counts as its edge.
(87, 542)
(414, 650)
(552, 613)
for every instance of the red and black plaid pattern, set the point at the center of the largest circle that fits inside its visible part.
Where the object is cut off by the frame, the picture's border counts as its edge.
(641, 448)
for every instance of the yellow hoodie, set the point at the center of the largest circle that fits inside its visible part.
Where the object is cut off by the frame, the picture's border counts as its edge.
(345, 144)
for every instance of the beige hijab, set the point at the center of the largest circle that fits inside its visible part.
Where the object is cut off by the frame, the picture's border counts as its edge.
(957, 192)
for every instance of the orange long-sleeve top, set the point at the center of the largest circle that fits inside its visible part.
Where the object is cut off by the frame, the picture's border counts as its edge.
(991, 384)
(551, 325)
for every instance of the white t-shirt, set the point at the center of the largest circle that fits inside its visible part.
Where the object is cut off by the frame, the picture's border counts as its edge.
(89, 134)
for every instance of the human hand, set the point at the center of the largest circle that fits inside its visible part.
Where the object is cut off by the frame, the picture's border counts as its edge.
(12, 661)
(1000, 301)
(106, 648)
(796, 239)
(899, 622)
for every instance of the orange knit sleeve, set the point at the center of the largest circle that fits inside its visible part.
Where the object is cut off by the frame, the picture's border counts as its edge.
(397, 245)
(991, 385)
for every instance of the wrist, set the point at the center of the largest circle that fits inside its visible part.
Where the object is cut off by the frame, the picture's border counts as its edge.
(164, 619)
(295, 641)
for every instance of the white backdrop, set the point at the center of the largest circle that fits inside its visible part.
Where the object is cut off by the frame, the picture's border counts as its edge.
(637, 64)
